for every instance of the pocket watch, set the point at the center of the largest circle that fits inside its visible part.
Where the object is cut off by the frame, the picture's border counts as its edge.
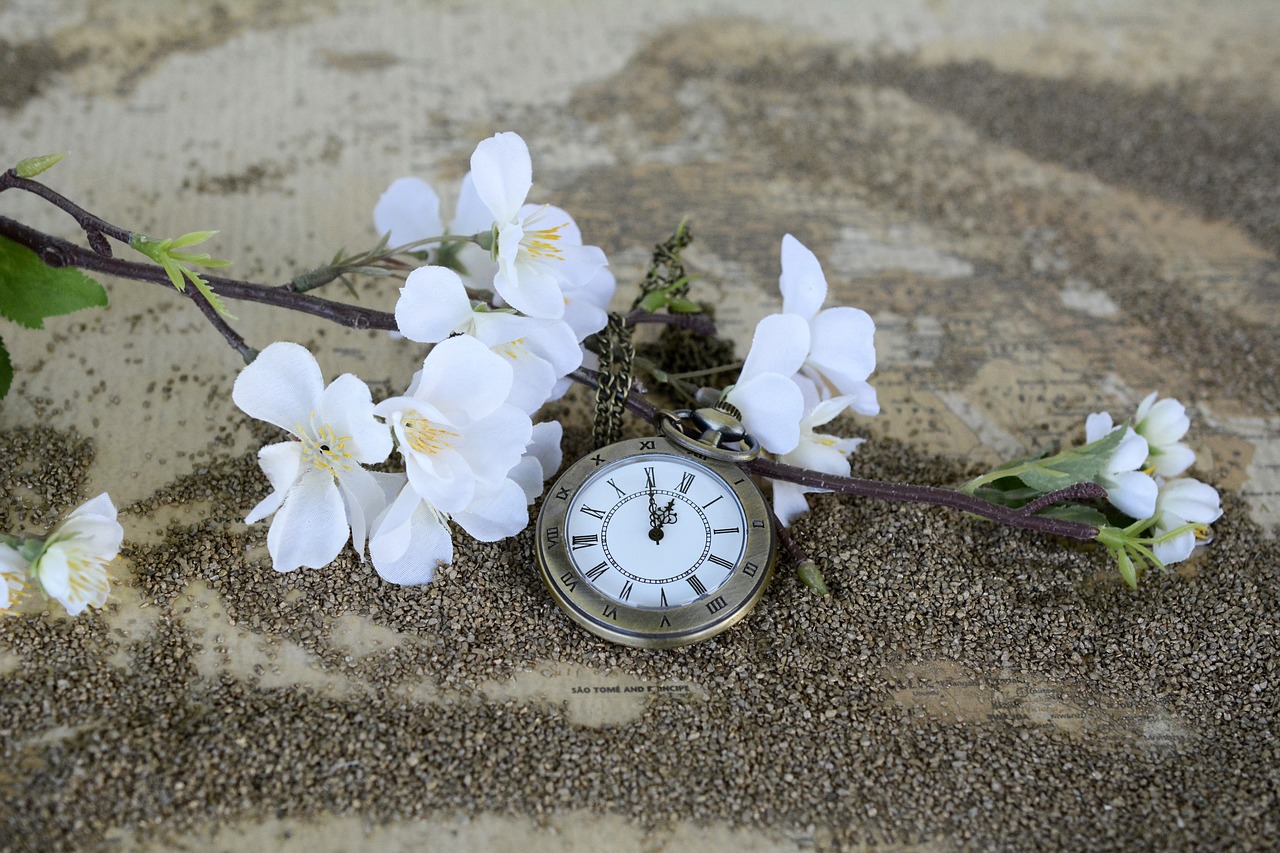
(663, 541)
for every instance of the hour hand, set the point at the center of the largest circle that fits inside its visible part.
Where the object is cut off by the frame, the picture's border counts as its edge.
(655, 519)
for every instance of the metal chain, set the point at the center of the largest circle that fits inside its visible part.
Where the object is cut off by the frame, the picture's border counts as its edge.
(617, 352)
(666, 267)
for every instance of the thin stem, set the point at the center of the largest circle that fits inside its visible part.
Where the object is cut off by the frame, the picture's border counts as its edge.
(230, 335)
(906, 493)
(60, 253)
(87, 221)
(685, 389)
(709, 371)
(700, 323)
(794, 552)
(1078, 492)
(57, 252)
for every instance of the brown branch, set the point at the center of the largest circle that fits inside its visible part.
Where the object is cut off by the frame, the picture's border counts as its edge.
(933, 495)
(57, 252)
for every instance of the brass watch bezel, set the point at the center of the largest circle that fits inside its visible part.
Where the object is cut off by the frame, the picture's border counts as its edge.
(638, 627)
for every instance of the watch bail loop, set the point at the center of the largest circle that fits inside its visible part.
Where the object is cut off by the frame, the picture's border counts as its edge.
(720, 434)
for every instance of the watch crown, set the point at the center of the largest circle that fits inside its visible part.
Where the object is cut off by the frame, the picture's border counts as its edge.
(729, 409)
(713, 432)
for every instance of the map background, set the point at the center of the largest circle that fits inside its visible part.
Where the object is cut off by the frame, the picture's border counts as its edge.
(1049, 209)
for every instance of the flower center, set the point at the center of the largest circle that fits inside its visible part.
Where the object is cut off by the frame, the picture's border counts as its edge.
(426, 437)
(512, 349)
(324, 448)
(542, 243)
(87, 579)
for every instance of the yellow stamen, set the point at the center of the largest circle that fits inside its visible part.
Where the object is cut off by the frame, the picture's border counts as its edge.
(541, 243)
(425, 437)
(513, 349)
(324, 448)
(87, 579)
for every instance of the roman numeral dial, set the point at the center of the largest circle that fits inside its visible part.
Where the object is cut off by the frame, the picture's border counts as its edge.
(656, 539)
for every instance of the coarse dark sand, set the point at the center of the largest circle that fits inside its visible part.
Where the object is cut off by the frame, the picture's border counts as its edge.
(817, 715)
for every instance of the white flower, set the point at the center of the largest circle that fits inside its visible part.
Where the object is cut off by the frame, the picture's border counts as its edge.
(72, 566)
(771, 403)
(409, 211)
(410, 538)
(320, 493)
(1181, 502)
(1128, 489)
(586, 308)
(456, 431)
(434, 304)
(541, 459)
(538, 249)
(841, 351)
(13, 572)
(816, 451)
(1163, 423)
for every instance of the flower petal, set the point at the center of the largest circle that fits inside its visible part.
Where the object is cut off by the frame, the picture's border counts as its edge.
(1133, 493)
(585, 308)
(1175, 550)
(346, 406)
(281, 386)
(281, 463)
(1171, 460)
(1164, 422)
(495, 514)
(779, 345)
(409, 541)
(470, 214)
(771, 407)
(461, 375)
(433, 304)
(526, 287)
(494, 444)
(578, 265)
(363, 500)
(843, 347)
(503, 174)
(802, 282)
(1129, 455)
(789, 501)
(548, 217)
(1097, 426)
(311, 528)
(819, 452)
(409, 210)
(1190, 500)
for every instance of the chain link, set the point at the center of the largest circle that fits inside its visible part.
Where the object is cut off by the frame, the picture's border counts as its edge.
(617, 352)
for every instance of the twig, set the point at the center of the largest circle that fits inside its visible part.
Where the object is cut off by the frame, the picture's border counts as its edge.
(906, 493)
(90, 224)
(57, 252)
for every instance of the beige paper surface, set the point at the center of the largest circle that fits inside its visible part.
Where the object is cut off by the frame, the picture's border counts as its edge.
(1049, 209)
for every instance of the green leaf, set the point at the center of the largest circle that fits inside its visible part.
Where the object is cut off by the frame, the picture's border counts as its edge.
(652, 301)
(1078, 465)
(1075, 512)
(190, 239)
(33, 166)
(207, 292)
(30, 290)
(6, 371)
(1008, 491)
(681, 305)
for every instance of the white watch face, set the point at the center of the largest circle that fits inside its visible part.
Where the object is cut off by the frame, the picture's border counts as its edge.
(648, 544)
(656, 531)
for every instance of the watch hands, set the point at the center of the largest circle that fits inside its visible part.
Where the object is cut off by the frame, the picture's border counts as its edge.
(658, 516)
